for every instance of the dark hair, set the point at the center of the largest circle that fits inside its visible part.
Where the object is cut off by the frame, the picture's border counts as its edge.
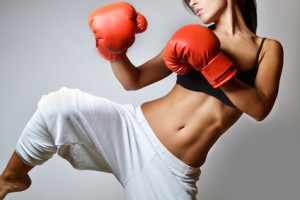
(247, 8)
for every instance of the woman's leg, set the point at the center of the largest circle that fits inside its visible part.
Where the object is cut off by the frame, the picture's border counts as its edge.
(15, 176)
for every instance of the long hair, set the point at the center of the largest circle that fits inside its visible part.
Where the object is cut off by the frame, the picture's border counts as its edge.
(247, 8)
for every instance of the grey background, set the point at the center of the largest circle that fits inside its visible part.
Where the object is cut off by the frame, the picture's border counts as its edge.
(45, 45)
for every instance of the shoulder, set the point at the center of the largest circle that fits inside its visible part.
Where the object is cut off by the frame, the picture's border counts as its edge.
(273, 47)
(270, 66)
(272, 52)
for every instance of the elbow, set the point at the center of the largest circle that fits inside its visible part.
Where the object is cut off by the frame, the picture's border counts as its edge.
(126, 88)
(261, 111)
(260, 118)
(130, 87)
(261, 115)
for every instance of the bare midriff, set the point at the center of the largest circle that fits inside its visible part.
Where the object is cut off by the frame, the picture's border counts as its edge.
(189, 123)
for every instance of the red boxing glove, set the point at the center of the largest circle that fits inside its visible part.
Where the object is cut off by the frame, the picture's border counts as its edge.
(196, 46)
(115, 26)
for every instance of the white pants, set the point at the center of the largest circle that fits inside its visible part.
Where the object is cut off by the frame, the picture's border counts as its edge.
(96, 134)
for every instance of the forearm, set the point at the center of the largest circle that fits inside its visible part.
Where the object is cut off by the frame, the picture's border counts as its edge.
(248, 99)
(125, 72)
(135, 77)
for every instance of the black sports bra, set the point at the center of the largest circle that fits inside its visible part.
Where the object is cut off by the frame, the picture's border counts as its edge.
(195, 81)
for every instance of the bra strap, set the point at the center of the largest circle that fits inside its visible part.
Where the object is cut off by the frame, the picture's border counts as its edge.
(259, 50)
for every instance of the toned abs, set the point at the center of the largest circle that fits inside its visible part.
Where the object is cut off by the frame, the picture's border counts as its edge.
(188, 123)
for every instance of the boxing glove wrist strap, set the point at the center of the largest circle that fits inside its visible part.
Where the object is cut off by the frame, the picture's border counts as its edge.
(219, 70)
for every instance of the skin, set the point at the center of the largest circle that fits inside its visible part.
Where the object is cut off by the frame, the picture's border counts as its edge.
(189, 123)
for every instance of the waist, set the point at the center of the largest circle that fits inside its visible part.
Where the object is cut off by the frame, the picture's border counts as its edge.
(171, 160)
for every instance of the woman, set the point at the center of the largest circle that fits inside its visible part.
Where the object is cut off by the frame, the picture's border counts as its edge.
(156, 150)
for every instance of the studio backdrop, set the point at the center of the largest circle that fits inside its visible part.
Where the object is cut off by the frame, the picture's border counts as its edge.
(46, 45)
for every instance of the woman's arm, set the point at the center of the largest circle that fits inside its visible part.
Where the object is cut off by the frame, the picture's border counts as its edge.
(133, 78)
(258, 101)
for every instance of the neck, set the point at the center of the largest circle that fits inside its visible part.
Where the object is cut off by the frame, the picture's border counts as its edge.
(231, 22)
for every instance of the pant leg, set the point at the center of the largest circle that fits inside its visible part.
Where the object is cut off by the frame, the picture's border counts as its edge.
(155, 181)
(66, 122)
(35, 144)
(88, 131)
